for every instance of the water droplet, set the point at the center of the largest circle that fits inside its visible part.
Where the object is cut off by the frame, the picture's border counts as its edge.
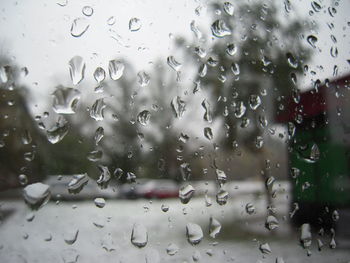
(316, 6)
(118, 173)
(291, 60)
(200, 52)
(184, 138)
(57, 132)
(36, 195)
(143, 78)
(207, 114)
(334, 52)
(221, 196)
(259, 142)
(265, 248)
(235, 69)
(335, 215)
(139, 236)
(87, 10)
(271, 222)
(249, 208)
(97, 109)
(99, 74)
(134, 24)
(220, 176)
(175, 65)
(130, 177)
(26, 137)
(195, 30)
(77, 183)
(186, 192)
(100, 202)
(319, 244)
(3, 75)
(239, 109)
(143, 117)
(172, 249)
(229, 8)
(202, 70)
(79, 27)
(332, 11)
(312, 40)
(231, 49)
(220, 29)
(76, 69)
(70, 236)
(196, 256)
(314, 153)
(186, 171)
(165, 208)
(94, 156)
(214, 227)
(194, 233)
(65, 100)
(208, 133)
(116, 69)
(99, 135)
(178, 106)
(30, 217)
(305, 235)
(254, 101)
(105, 176)
(111, 21)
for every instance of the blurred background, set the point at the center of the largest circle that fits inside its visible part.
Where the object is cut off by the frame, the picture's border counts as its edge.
(122, 121)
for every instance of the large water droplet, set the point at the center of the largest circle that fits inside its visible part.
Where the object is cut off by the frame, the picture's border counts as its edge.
(139, 236)
(311, 39)
(214, 227)
(220, 176)
(291, 60)
(221, 196)
(3, 75)
(254, 101)
(57, 132)
(65, 100)
(186, 192)
(208, 133)
(207, 114)
(26, 137)
(178, 106)
(105, 177)
(95, 156)
(70, 236)
(316, 6)
(305, 235)
(76, 69)
(239, 109)
(100, 202)
(249, 208)
(271, 222)
(143, 78)
(220, 29)
(23, 179)
(265, 248)
(99, 74)
(97, 109)
(116, 69)
(172, 249)
(134, 24)
(229, 8)
(36, 195)
(79, 26)
(99, 135)
(175, 65)
(314, 153)
(231, 49)
(77, 183)
(143, 117)
(194, 233)
(87, 10)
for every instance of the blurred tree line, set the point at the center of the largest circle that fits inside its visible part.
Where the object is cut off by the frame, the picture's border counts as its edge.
(246, 76)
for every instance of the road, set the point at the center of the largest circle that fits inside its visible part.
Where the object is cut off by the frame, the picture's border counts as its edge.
(104, 233)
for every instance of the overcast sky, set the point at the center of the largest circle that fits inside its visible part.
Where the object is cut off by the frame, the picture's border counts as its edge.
(36, 34)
